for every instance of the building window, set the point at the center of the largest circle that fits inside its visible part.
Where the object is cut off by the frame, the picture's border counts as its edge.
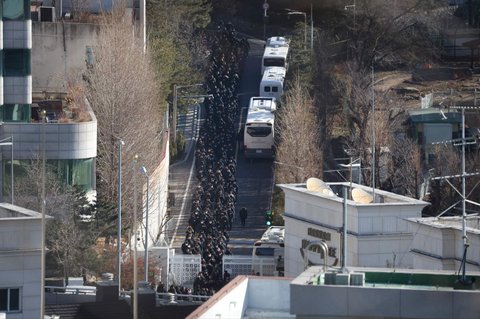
(15, 113)
(77, 172)
(73, 172)
(17, 62)
(16, 9)
(10, 299)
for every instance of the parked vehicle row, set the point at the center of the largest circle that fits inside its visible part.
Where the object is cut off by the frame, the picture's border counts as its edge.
(259, 131)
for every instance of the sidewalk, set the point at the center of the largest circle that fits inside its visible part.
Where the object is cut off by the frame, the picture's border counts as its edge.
(181, 177)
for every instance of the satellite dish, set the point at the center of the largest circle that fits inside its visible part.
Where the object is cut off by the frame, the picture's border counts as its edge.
(361, 196)
(319, 186)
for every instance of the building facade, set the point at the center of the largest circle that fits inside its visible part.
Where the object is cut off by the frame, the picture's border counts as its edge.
(16, 41)
(438, 243)
(20, 262)
(70, 146)
(377, 232)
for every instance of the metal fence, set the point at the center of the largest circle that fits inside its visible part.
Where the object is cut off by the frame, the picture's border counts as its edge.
(184, 268)
(248, 265)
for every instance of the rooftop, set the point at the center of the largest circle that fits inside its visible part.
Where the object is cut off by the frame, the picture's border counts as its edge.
(335, 193)
(379, 293)
(434, 115)
(61, 107)
(9, 211)
(388, 278)
(453, 222)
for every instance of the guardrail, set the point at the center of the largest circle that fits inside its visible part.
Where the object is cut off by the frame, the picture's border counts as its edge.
(85, 290)
(162, 298)
(171, 298)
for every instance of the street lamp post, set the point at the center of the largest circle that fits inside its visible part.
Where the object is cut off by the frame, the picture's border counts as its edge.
(175, 100)
(5, 143)
(43, 250)
(144, 172)
(119, 219)
(134, 226)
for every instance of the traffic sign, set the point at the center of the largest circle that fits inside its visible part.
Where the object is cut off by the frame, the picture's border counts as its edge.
(265, 6)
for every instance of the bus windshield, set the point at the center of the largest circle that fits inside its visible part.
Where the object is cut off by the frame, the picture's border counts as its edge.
(264, 251)
(259, 131)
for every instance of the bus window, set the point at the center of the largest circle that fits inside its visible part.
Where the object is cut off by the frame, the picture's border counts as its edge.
(259, 131)
(273, 62)
(274, 88)
(266, 89)
(260, 251)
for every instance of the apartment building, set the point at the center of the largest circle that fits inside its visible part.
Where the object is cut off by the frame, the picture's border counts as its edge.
(20, 262)
(70, 144)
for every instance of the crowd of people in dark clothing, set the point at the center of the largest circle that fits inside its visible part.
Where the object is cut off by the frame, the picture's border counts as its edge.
(213, 204)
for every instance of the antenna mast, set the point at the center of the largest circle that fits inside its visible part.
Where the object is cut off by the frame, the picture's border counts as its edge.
(457, 142)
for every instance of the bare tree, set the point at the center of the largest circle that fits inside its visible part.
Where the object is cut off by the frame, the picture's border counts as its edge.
(442, 192)
(299, 147)
(122, 88)
(384, 36)
(405, 170)
(79, 7)
(69, 240)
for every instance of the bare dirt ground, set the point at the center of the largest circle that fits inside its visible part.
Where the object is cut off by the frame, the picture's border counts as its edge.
(450, 86)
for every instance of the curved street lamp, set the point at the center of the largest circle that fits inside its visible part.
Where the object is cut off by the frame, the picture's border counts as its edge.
(119, 219)
(143, 170)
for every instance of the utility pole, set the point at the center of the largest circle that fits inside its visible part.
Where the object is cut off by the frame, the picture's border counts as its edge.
(463, 141)
(373, 134)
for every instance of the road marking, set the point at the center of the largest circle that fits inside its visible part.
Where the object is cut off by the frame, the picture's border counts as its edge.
(182, 208)
(183, 202)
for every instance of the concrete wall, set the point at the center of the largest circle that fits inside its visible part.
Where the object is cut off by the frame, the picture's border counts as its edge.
(378, 234)
(63, 140)
(353, 302)
(158, 201)
(59, 51)
(230, 302)
(261, 294)
(441, 248)
(20, 253)
(248, 297)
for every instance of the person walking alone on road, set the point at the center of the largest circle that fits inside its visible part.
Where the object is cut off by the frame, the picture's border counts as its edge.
(243, 215)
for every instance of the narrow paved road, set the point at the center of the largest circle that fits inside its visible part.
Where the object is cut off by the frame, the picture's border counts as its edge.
(254, 177)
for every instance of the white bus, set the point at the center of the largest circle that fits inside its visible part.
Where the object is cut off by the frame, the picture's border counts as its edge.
(271, 84)
(276, 42)
(271, 244)
(263, 102)
(258, 135)
(275, 56)
(270, 247)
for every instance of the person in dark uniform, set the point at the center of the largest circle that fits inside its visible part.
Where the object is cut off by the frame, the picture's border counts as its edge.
(243, 216)
(226, 276)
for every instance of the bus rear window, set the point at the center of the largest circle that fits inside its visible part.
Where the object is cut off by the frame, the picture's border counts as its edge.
(274, 88)
(259, 131)
(273, 62)
(264, 251)
(266, 89)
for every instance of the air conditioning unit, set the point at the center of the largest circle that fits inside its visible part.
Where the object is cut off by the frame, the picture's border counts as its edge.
(46, 14)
